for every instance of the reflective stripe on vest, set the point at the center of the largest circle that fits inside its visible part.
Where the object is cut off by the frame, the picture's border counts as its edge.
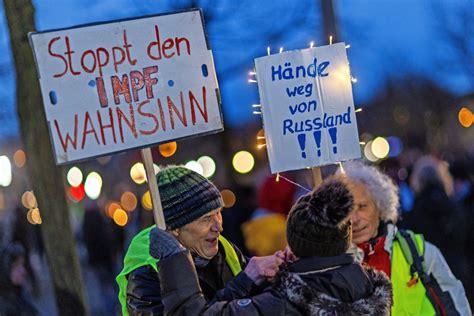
(138, 255)
(408, 300)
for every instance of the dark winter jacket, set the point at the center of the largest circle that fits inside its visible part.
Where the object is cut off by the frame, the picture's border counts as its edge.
(143, 289)
(311, 286)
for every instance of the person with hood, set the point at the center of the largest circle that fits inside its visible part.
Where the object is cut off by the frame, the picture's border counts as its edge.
(322, 280)
(422, 280)
(192, 209)
(12, 279)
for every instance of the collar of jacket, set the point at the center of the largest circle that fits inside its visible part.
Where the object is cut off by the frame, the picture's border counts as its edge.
(320, 264)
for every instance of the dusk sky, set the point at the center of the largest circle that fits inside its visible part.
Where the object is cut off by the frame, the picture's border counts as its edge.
(389, 39)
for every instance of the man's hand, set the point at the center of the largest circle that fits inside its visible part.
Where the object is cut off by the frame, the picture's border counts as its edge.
(260, 269)
(163, 244)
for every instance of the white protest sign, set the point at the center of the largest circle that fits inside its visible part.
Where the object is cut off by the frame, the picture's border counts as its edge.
(307, 107)
(127, 84)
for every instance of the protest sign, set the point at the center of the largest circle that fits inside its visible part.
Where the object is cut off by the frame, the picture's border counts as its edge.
(307, 107)
(127, 84)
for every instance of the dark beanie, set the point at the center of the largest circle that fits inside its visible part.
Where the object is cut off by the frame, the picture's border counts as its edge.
(319, 223)
(186, 195)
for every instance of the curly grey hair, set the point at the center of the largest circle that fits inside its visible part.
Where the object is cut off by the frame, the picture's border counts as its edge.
(381, 188)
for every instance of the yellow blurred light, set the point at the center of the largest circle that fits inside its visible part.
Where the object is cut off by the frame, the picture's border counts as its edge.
(29, 217)
(19, 158)
(380, 147)
(111, 208)
(228, 197)
(120, 217)
(168, 149)
(36, 216)
(74, 177)
(93, 185)
(368, 152)
(128, 200)
(195, 166)
(465, 117)
(208, 166)
(5, 171)
(137, 173)
(146, 201)
(243, 161)
(2, 201)
(28, 199)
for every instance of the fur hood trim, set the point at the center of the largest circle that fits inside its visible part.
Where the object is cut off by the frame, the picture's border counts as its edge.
(298, 292)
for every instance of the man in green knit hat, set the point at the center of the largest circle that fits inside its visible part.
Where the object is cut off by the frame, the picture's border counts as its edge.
(192, 209)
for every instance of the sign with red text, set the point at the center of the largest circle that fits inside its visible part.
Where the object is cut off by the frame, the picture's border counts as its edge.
(127, 84)
(307, 107)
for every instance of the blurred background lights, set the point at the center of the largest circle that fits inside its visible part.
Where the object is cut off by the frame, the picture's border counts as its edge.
(243, 161)
(28, 199)
(168, 149)
(120, 217)
(146, 201)
(208, 166)
(19, 158)
(195, 166)
(229, 198)
(128, 200)
(465, 117)
(77, 193)
(93, 185)
(137, 173)
(380, 147)
(34, 217)
(395, 145)
(5, 171)
(368, 152)
(111, 208)
(74, 176)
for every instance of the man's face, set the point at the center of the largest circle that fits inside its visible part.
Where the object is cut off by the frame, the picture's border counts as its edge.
(200, 236)
(365, 217)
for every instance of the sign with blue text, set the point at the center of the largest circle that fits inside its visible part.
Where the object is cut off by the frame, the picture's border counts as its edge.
(116, 86)
(307, 107)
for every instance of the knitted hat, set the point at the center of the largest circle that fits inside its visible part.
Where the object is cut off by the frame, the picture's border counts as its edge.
(319, 223)
(186, 195)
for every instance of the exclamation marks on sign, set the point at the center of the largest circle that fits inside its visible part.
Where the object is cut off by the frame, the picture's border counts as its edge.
(317, 139)
(302, 142)
(333, 134)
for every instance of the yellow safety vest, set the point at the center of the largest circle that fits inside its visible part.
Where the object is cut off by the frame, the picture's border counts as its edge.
(409, 298)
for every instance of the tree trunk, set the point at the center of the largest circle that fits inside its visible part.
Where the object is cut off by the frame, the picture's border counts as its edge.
(45, 176)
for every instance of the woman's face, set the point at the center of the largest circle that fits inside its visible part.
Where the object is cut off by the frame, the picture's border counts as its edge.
(365, 217)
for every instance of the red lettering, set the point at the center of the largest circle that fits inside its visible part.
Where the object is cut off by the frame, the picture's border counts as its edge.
(172, 108)
(168, 44)
(99, 83)
(69, 139)
(157, 44)
(120, 87)
(150, 115)
(130, 122)
(150, 82)
(110, 125)
(162, 115)
(178, 41)
(114, 57)
(86, 131)
(127, 46)
(101, 62)
(69, 53)
(83, 64)
(137, 83)
(193, 101)
(50, 44)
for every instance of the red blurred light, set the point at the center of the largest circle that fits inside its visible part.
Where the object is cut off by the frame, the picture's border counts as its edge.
(77, 193)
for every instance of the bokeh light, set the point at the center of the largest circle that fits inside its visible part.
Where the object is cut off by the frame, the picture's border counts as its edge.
(93, 185)
(128, 200)
(29, 217)
(77, 193)
(36, 216)
(380, 147)
(243, 161)
(229, 198)
(465, 117)
(146, 201)
(120, 217)
(195, 166)
(368, 152)
(19, 158)
(74, 176)
(111, 207)
(168, 149)
(5, 171)
(208, 166)
(28, 199)
(137, 173)
(104, 160)
(396, 146)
